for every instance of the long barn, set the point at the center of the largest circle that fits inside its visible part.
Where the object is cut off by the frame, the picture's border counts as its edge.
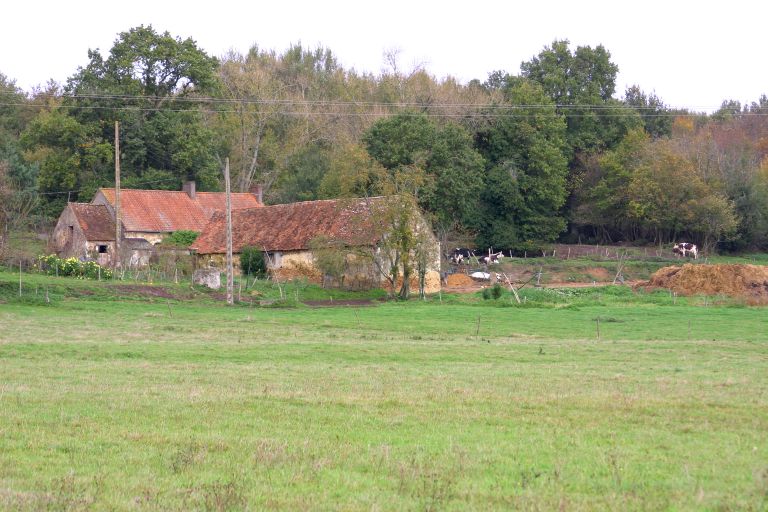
(291, 236)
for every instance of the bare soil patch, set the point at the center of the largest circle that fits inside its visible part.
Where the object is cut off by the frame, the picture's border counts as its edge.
(339, 303)
(144, 290)
(741, 281)
(599, 274)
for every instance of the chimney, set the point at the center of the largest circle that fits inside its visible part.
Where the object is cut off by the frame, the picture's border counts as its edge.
(258, 191)
(189, 188)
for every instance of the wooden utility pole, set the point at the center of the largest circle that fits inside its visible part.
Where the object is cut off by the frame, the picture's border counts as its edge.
(230, 284)
(118, 216)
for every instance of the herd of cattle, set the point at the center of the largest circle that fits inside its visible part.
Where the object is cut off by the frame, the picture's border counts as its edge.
(462, 255)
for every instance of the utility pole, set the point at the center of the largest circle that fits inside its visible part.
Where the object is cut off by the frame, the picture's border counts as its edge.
(118, 216)
(230, 284)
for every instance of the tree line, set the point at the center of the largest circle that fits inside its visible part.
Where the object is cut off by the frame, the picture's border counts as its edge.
(512, 161)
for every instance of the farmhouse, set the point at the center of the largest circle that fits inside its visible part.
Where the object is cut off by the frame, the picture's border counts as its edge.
(294, 236)
(87, 230)
(154, 214)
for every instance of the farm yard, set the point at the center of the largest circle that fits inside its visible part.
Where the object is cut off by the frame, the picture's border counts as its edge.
(118, 395)
(425, 313)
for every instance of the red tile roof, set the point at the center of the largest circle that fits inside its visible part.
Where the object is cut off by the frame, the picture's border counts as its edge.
(290, 227)
(95, 221)
(164, 211)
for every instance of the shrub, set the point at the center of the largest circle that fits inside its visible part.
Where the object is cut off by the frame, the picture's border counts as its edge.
(252, 262)
(181, 238)
(330, 258)
(53, 265)
(494, 292)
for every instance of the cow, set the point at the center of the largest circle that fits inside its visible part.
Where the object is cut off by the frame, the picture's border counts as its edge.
(460, 254)
(685, 249)
(491, 258)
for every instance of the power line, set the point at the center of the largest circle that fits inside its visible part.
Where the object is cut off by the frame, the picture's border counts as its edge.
(209, 100)
(165, 180)
(516, 111)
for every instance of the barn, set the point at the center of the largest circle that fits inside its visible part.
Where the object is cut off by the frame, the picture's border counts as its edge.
(294, 235)
(154, 214)
(87, 230)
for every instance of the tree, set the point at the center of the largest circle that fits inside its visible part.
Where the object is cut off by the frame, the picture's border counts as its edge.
(252, 262)
(148, 82)
(404, 247)
(582, 84)
(657, 117)
(303, 175)
(18, 194)
(438, 165)
(330, 257)
(669, 198)
(525, 184)
(71, 157)
(18, 191)
(351, 173)
(600, 199)
(145, 63)
(14, 114)
(257, 98)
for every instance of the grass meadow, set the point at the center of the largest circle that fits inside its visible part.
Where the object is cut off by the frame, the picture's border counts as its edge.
(120, 402)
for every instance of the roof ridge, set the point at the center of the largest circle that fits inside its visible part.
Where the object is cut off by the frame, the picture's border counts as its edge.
(123, 190)
(333, 200)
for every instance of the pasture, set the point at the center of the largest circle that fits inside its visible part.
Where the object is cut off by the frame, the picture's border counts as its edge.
(110, 400)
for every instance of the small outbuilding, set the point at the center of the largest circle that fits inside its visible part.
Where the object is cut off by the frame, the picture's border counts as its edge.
(87, 232)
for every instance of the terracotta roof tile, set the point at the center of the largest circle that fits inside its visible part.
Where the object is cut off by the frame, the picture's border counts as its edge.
(287, 227)
(95, 221)
(167, 211)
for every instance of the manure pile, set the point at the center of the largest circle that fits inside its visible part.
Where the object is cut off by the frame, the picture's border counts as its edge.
(458, 280)
(747, 281)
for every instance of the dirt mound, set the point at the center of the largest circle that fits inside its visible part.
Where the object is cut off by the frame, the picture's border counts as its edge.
(458, 280)
(748, 281)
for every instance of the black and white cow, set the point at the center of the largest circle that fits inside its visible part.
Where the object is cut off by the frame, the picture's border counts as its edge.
(686, 249)
(491, 257)
(461, 254)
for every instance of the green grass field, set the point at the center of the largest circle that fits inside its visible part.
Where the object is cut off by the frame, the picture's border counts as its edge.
(120, 401)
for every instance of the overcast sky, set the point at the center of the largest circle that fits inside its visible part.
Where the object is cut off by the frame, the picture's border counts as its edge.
(693, 54)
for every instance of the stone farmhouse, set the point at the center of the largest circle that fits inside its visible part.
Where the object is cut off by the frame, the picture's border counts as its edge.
(291, 235)
(87, 230)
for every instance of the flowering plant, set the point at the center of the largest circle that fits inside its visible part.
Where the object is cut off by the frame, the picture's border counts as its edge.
(53, 265)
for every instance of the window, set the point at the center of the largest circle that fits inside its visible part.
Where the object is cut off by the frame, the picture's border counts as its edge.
(102, 249)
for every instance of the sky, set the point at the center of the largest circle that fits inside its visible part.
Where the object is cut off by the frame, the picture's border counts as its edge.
(692, 54)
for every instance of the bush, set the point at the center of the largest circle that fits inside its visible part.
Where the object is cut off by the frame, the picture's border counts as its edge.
(53, 265)
(181, 238)
(494, 292)
(252, 262)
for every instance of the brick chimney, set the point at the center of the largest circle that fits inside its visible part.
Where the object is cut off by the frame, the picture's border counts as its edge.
(189, 188)
(258, 191)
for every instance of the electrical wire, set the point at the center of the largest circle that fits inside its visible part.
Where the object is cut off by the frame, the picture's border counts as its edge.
(209, 102)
